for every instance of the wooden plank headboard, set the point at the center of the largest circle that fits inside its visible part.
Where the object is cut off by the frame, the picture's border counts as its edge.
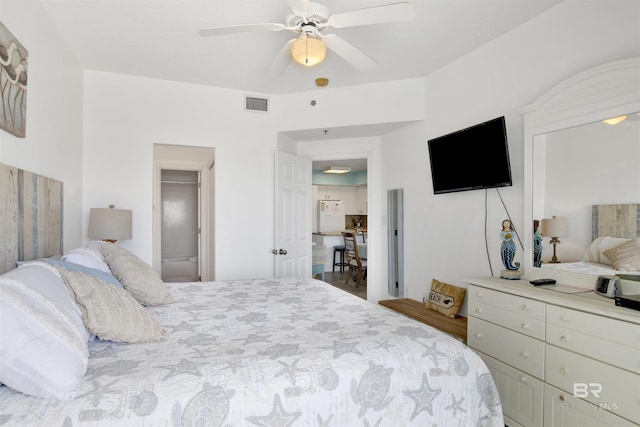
(30, 216)
(615, 221)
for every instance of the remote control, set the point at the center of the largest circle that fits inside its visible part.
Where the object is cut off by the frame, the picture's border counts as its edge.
(540, 282)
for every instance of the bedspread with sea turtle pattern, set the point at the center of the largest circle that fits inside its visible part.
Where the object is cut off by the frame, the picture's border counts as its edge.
(289, 352)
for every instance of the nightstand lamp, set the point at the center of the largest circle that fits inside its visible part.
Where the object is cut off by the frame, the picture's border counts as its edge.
(554, 227)
(109, 224)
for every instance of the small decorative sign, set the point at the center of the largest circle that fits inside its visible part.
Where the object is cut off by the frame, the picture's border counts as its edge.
(13, 83)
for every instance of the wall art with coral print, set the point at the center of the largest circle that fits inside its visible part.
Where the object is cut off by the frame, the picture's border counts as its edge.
(13, 83)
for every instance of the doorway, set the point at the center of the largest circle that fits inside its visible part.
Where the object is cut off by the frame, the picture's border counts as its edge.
(180, 225)
(183, 213)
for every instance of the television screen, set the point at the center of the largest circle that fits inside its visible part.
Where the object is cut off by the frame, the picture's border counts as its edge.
(471, 159)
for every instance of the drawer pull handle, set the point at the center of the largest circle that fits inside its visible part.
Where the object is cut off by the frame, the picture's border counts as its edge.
(561, 398)
(523, 379)
(478, 310)
(564, 317)
(524, 354)
(525, 326)
(479, 294)
(525, 307)
(478, 335)
(563, 371)
(563, 339)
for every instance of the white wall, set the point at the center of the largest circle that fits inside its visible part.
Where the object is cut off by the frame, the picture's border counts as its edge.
(53, 143)
(588, 165)
(444, 236)
(124, 116)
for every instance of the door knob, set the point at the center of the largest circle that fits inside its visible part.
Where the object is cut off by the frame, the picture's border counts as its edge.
(274, 251)
(282, 251)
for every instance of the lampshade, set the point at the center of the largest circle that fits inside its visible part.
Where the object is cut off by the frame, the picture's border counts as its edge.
(308, 51)
(554, 227)
(109, 224)
(337, 169)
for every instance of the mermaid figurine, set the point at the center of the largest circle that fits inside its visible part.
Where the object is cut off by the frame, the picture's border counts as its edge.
(537, 244)
(508, 249)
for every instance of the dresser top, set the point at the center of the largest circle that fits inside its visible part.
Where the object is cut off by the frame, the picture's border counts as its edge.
(589, 301)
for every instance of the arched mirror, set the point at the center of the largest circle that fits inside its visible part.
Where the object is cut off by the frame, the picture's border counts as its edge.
(574, 161)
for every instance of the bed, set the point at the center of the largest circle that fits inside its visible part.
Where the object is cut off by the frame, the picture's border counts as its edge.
(615, 246)
(94, 338)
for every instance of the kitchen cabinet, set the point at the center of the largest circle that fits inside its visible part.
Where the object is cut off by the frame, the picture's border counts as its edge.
(349, 198)
(361, 200)
(329, 192)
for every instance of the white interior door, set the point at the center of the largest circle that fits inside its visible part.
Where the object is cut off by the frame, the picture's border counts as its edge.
(292, 246)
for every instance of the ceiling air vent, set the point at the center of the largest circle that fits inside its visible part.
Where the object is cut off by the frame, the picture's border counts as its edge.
(252, 103)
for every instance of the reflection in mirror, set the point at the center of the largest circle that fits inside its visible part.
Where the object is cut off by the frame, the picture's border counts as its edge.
(576, 168)
(573, 161)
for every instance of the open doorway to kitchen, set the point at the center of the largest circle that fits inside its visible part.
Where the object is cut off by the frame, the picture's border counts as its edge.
(347, 194)
(183, 212)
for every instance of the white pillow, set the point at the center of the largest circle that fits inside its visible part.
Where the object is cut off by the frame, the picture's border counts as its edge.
(43, 344)
(89, 257)
(111, 312)
(592, 253)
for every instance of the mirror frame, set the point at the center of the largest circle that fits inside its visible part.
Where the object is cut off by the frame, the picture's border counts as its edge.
(609, 90)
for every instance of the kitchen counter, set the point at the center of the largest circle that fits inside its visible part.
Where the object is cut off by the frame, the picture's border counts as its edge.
(335, 233)
(331, 239)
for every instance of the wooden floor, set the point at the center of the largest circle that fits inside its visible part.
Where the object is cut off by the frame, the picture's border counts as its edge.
(337, 279)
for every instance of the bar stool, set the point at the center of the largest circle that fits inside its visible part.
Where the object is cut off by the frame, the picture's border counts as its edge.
(339, 249)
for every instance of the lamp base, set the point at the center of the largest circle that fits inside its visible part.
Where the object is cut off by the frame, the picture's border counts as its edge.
(510, 274)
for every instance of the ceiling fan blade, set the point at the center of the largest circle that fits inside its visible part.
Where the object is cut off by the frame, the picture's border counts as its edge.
(300, 7)
(349, 52)
(230, 29)
(398, 12)
(282, 60)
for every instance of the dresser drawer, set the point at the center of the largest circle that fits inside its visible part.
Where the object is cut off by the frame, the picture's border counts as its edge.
(521, 395)
(608, 387)
(611, 341)
(508, 302)
(517, 322)
(517, 350)
(561, 409)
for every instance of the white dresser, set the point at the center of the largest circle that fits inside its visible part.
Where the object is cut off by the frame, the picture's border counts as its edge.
(565, 360)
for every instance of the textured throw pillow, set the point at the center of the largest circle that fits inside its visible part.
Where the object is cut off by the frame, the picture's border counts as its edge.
(446, 299)
(610, 243)
(111, 312)
(625, 257)
(142, 281)
(43, 339)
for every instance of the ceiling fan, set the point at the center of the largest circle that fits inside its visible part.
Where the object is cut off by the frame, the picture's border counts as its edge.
(309, 20)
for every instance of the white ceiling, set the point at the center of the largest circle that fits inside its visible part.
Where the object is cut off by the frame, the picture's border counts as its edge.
(159, 39)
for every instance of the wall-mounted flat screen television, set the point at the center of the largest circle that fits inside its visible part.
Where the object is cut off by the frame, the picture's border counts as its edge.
(471, 159)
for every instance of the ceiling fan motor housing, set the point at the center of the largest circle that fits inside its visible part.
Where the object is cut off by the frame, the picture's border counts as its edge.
(319, 14)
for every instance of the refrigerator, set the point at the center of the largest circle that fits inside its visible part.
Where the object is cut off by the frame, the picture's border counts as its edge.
(331, 215)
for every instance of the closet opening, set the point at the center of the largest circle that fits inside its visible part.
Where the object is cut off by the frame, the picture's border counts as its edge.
(184, 213)
(180, 228)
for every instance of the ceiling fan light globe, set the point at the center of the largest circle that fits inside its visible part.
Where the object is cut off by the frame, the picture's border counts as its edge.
(308, 51)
